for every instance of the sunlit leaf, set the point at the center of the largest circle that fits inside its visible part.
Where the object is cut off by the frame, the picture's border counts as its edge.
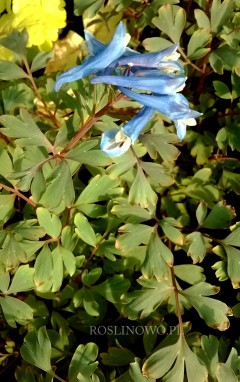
(213, 311)
(15, 311)
(84, 230)
(171, 21)
(36, 349)
(83, 363)
(158, 259)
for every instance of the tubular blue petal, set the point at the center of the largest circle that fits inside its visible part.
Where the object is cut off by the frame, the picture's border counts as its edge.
(134, 127)
(148, 60)
(94, 45)
(115, 143)
(174, 106)
(111, 52)
(181, 128)
(162, 84)
(163, 67)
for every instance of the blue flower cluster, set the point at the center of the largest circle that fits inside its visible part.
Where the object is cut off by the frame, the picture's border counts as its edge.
(158, 76)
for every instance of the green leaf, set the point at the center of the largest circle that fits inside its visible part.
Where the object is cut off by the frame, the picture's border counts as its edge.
(26, 130)
(68, 259)
(220, 217)
(229, 179)
(60, 190)
(225, 373)
(141, 192)
(61, 256)
(16, 41)
(91, 277)
(158, 259)
(133, 214)
(84, 230)
(17, 96)
(216, 62)
(161, 144)
(83, 363)
(161, 361)
(38, 185)
(221, 269)
(233, 238)
(69, 238)
(117, 356)
(213, 312)
(101, 187)
(92, 6)
(11, 71)
(4, 279)
(220, 14)
(158, 173)
(92, 303)
(36, 349)
(49, 221)
(202, 19)
(7, 207)
(136, 374)
(233, 262)
(83, 154)
(192, 274)
(155, 44)
(27, 229)
(170, 228)
(197, 42)
(22, 280)
(12, 253)
(228, 56)
(171, 21)
(25, 374)
(15, 311)
(6, 163)
(133, 235)
(57, 274)
(121, 165)
(43, 270)
(209, 353)
(222, 90)
(199, 246)
(113, 288)
(141, 303)
(40, 60)
(235, 85)
(202, 149)
(201, 213)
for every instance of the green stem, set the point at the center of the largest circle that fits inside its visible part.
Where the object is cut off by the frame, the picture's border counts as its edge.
(19, 194)
(39, 96)
(176, 294)
(57, 377)
(188, 61)
(88, 125)
(92, 254)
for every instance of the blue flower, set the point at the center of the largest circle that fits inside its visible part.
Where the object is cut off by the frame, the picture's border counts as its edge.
(161, 83)
(116, 142)
(158, 73)
(106, 55)
(175, 107)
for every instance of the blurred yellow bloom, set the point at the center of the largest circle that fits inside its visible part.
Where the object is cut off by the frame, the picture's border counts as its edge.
(41, 18)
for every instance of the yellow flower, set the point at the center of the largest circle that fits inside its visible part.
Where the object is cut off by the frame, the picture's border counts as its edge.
(41, 19)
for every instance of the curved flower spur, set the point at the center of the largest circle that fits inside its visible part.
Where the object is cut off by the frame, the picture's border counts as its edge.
(159, 74)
